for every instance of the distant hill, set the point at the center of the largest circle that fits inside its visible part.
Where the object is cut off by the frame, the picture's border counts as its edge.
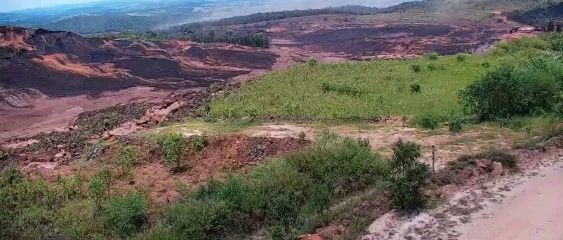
(539, 16)
(145, 15)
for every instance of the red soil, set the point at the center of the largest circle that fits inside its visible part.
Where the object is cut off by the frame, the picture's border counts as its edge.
(223, 155)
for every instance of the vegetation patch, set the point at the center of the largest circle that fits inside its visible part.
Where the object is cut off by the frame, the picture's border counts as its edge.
(279, 196)
(359, 90)
(125, 215)
(173, 147)
(408, 176)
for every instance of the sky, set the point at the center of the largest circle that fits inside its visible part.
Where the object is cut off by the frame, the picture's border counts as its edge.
(11, 5)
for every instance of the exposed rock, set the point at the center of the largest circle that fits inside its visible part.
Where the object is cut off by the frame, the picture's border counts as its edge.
(62, 154)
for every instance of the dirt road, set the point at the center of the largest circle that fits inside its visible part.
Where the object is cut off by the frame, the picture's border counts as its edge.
(531, 211)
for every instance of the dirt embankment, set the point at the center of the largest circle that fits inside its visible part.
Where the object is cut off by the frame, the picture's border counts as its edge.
(492, 204)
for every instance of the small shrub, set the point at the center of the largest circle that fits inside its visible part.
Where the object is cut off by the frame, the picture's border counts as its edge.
(78, 220)
(173, 149)
(461, 57)
(428, 121)
(433, 56)
(3, 155)
(416, 68)
(126, 159)
(486, 65)
(415, 88)
(456, 124)
(302, 136)
(195, 219)
(432, 67)
(364, 142)
(344, 164)
(125, 215)
(313, 62)
(99, 186)
(10, 175)
(200, 142)
(408, 176)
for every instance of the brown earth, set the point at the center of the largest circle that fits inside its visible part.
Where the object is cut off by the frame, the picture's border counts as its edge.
(222, 155)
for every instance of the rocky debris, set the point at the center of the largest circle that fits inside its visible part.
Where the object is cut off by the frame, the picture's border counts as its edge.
(158, 114)
(63, 154)
(20, 144)
(153, 116)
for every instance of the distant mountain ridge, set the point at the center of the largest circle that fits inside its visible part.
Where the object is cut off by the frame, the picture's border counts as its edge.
(140, 16)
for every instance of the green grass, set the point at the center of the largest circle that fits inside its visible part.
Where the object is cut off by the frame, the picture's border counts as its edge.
(355, 90)
(282, 196)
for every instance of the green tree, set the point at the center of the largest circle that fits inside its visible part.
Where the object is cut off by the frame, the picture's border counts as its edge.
(408, 176)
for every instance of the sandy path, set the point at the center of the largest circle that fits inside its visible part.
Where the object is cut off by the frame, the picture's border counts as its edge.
(534, 210)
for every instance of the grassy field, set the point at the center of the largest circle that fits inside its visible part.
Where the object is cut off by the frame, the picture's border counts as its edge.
(356, 90)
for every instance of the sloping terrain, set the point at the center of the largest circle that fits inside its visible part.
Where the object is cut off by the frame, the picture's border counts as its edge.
(64, 64)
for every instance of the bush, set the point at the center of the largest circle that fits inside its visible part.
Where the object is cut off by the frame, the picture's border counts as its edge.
(456, 124)
(99, 186)
(126, 159)
(3, 155)
(416, 68)
(200, 142)
(173, 149)
(302, 136)
(432, 67)
(195, 219)
(29, 208)
(408, 176)
(415, 88)
(78, 220)
(516, 90)
(125, 215)
(313, 62)
(461, 57)
(428, 121)
(433, 56)
(346, 165)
